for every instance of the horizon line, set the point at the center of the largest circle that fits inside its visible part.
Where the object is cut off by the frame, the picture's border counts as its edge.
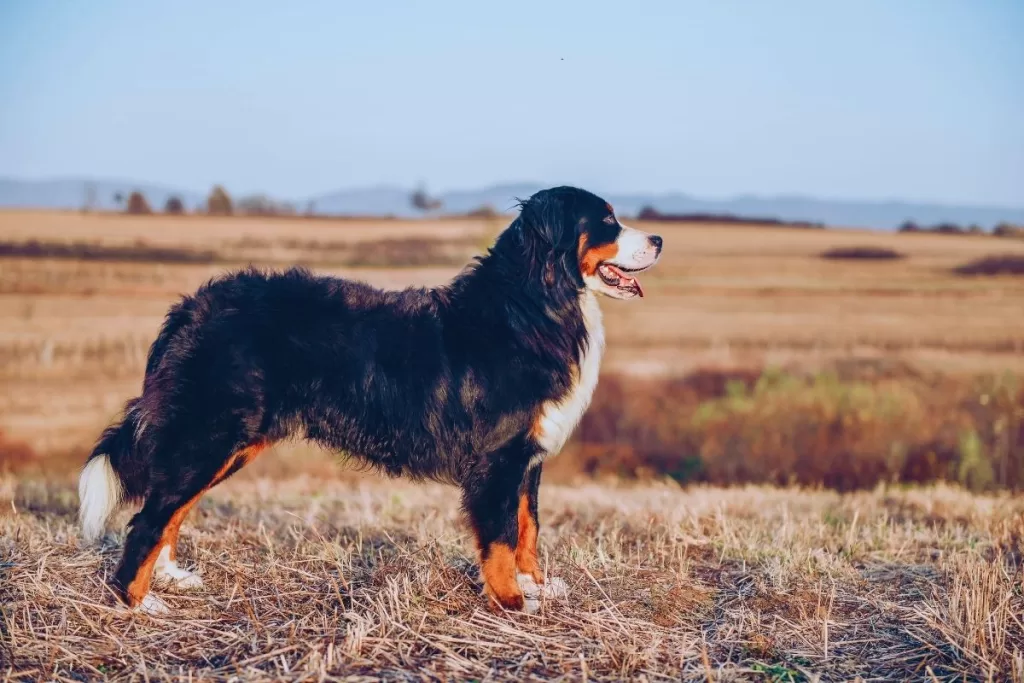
(500, 184)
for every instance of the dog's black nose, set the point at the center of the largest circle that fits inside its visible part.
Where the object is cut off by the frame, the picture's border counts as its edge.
(656, 241)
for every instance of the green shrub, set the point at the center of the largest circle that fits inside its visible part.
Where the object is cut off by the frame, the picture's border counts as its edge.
(974, 470)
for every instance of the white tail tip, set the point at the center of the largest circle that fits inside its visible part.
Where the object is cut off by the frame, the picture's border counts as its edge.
(99, 495)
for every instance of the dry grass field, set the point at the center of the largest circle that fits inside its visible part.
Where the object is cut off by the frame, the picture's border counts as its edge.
(75, 332)
(319, 579)
(314, 573)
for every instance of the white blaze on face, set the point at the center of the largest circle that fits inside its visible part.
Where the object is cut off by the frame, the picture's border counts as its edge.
(636, 251)
(618, 263)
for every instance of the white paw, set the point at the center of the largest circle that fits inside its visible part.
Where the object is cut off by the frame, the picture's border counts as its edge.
(188, 581)
(555, 589)
(552, 589)
(528, 585)
(178, 577)
(167, 571)
(531, 593)
(153, 606)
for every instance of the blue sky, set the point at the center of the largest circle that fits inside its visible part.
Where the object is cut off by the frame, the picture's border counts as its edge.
(871, 99)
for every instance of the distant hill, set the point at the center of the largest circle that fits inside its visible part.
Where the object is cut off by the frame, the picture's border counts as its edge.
(383, 200)
(880, 215)
(394, 200)
(70, 193)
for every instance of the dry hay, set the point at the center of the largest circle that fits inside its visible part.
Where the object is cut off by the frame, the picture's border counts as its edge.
(307, 580)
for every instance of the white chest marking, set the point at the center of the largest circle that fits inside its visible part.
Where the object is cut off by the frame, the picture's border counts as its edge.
(559, 418)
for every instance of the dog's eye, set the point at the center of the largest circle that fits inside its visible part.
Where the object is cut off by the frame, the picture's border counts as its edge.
(609, 219)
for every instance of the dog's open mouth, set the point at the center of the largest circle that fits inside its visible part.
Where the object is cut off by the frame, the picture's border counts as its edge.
(619, 278)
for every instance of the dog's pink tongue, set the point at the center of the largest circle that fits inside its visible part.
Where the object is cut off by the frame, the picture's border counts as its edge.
(627, 282)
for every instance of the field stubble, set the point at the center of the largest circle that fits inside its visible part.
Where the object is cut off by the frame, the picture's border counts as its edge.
(315, 579)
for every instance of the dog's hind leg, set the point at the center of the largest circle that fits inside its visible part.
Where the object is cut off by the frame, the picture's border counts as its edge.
(152, 541)
(166, 569)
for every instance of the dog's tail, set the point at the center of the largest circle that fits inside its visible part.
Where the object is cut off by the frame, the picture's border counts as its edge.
(113, 474)
(117, 471)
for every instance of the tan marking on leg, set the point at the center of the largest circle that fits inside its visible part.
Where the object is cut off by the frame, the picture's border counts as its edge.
(139, 586)
(499, 574)
(526, 549)
(237, 461)
(174, 526)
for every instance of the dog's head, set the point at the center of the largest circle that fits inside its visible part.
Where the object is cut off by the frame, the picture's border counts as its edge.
(578, 239)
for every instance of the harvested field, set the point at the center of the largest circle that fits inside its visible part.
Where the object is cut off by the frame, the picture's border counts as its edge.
(76, 331)
(319, 579)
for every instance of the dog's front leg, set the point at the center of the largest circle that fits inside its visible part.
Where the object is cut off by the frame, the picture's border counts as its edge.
(529, 526)
(491, 498)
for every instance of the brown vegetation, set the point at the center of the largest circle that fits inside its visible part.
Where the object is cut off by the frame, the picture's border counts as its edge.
(408, 252)
(15, 456)
(844, 429)
(84, 251)
(174, 206)
(485, 211)
(137, 204)
(862, 253)
(1000, 264)
(941, 229)
(424, 202)
(1009, 230)
(262, 205)
(649, 213)
(219, 202)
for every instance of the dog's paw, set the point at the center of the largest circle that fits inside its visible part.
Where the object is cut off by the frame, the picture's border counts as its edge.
(176, 577)
(531, 593)
(189, 582)
(167, 572)
(153, 606)
(535, 593)
(555, 589)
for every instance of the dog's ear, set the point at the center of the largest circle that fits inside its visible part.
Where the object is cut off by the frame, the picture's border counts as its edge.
(550, 231)
(547, 217)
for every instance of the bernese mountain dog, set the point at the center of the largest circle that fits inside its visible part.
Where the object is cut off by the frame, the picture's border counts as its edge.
(474, 383)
